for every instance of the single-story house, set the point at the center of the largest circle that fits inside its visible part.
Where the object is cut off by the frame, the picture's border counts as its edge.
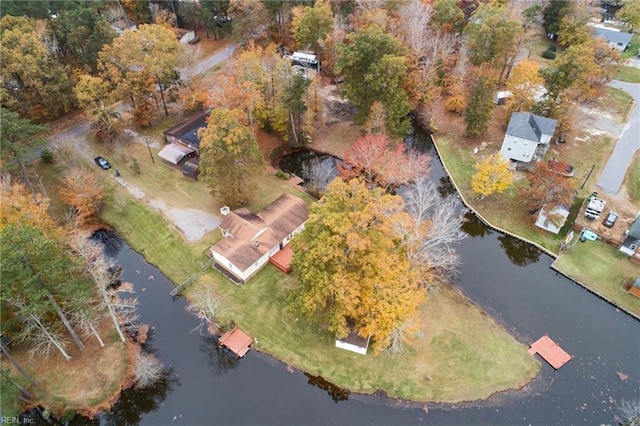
(631, 242)
(186, 132)
(553, 221)
(619, 40)
(527, 137)
(174, 153)
(249, 239)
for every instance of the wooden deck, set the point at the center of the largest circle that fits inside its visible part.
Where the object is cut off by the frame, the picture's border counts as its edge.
(282, 259)
(237, 341)
(550, 352)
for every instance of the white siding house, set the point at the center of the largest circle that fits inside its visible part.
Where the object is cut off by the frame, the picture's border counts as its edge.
(249, 240)
(619, 40)
(527, 138)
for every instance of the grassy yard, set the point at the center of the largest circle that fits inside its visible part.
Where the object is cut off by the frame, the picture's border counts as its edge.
(628, 74)
(460, 354)
(618, 102)
(632, 51)
(602, 268)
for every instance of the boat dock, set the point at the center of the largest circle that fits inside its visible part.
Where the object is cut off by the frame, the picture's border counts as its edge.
(550, 351)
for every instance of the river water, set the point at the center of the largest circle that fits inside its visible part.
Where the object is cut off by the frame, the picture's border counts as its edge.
(510, 280)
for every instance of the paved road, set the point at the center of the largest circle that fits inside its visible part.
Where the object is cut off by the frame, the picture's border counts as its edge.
(211, 61)
(614, 171)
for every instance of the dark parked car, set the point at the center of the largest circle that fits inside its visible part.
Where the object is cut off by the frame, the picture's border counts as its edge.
(610, 219)
(101, 162)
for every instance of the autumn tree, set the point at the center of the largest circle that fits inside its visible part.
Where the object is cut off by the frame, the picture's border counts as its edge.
(375, 69)
(448, 16)
(250, 21)
(82, 190)
(352, 265)
(374, 159)
(95, 96)
(213, 14)
(229, 157)
(311, 24)
(138, 61)
(553, 14)
(629, 13)
(42, 281)
(547, 188)
(33, 82)
(480, 103)
(525, 84)
(491, 34)
(573, 28)
(18, 139)
(80, 31)
(492, 175)
(578, 74)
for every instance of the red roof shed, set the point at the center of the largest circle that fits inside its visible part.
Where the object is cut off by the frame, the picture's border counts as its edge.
(237, 341)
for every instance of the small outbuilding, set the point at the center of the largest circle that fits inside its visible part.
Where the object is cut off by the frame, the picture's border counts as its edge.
(353, 342)
(174, 153)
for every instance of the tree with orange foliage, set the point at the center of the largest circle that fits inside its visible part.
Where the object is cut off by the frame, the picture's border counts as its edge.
(492, 175)
(547, 188)
(374, 159)
(82, 190)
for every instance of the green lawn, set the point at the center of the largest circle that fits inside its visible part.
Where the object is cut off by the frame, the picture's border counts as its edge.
(632, 51)
(632, 180)
(628, 74)
(602, 268)
(460, 353)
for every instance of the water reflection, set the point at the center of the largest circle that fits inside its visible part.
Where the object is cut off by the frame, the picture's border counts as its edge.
(474, 227)
(315, 169)
(445, 187)
(135, 402)
(336, 393)
(519, 252)
(220, 359)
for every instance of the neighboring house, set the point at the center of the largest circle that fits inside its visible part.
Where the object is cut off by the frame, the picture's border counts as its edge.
(631, 241)
(186, 132)
(617, 39)
(554, 221)
(183, 149)
(527, 137)
(249, 240)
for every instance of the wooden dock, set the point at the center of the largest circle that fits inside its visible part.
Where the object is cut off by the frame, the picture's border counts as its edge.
(550, 352)
(237, 341)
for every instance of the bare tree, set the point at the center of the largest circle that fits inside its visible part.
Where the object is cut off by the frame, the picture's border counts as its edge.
(148, 371)
(5, 352)
(42, 338)
(630, 412)
(435, 228)
(104, 273)
(206, 304)
(414, 29)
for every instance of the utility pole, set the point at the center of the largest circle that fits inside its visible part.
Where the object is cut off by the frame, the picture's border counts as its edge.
(149, 148)
(587, 178)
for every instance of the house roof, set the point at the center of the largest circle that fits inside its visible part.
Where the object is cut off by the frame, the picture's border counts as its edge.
(613, 36)
(174, 153)
(248, 236)
(529, 126)
(187, 129)
(634, 230)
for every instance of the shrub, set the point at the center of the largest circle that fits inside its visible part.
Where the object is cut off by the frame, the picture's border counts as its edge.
(548, 54)
(282, 175)
(552, 47)
(46, 156)
(135, 166)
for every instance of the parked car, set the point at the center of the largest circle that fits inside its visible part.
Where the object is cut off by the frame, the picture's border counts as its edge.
(102, 163)
(610, 220)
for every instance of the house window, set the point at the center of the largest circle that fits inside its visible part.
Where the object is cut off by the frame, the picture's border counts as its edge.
(508, 148)
(633, 247)
(230, 265)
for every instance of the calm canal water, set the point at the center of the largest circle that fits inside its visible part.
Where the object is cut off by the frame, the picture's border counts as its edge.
(513, 282)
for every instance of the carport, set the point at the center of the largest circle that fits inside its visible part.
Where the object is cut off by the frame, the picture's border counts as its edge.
(174, 153)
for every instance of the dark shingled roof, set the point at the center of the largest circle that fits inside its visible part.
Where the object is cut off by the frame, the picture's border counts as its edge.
(187, 129)
(531, 127)
(614, 36)
(248, 236)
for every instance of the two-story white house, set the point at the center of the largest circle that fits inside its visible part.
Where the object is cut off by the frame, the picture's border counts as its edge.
(527, 138)
(249, 239)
